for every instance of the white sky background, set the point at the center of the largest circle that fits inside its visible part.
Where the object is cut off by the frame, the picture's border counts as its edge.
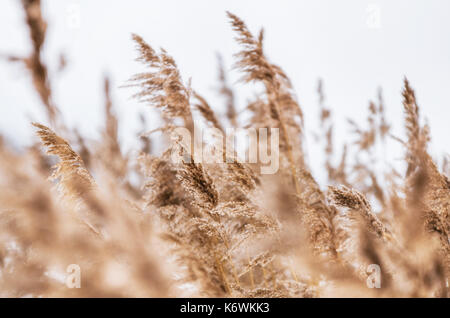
(332, 40)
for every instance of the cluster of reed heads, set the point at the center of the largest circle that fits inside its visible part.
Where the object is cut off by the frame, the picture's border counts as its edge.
(147, 227)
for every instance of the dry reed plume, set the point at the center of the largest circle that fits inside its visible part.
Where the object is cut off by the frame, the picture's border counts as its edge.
(148, 226)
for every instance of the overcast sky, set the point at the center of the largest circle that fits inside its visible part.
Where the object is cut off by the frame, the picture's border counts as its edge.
(354, 46)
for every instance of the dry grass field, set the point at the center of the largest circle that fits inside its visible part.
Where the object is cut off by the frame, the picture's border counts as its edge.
(147, 226)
